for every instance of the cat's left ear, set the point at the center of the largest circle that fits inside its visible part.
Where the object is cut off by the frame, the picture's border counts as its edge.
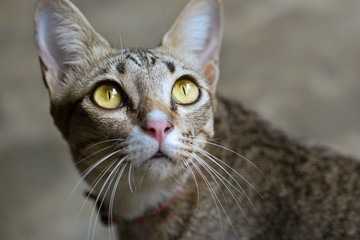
(197, 34)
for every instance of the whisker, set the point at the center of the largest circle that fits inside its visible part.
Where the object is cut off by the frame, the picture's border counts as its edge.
(194, 177)
(219, 176)
(111, 178)
(97, 180)
(228, 149)
(176, 180)
(129, 180)
(98, 195)
(115, 140)
(85, 158)
(112, 198)
(133, 179)
(142, 179)
(222, 207)
(201, 162)
(217, 161)
(113, 173)
(121, 42)
(108, 216)
(85, 173)
(213, 195)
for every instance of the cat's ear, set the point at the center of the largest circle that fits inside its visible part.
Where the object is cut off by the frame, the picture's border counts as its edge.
(63, 38)
(197, 33)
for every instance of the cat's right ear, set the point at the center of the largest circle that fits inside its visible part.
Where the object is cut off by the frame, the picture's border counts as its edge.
(63, 38)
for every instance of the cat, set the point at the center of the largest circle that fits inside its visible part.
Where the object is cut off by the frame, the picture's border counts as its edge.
(166, 157)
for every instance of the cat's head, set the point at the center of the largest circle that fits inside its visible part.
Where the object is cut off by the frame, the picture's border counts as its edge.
(145, 109)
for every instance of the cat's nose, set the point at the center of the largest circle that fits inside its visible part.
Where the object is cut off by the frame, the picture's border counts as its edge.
(157, 129)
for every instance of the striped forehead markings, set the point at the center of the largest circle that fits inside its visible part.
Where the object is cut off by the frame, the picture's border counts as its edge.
(141, 56)
(121, 67)
(170, 66)
(153, 60)
(132, 59)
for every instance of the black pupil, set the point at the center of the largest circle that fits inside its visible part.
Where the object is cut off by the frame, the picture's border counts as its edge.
(183, 88)
(109, 94)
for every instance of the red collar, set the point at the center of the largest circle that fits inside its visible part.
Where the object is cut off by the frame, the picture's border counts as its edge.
(107, 220)
(157, 211)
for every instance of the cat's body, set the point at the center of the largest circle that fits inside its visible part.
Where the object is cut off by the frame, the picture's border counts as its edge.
(308, 192)
(166, 158)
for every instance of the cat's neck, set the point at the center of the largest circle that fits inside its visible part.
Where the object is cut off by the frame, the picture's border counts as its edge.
(143, 199)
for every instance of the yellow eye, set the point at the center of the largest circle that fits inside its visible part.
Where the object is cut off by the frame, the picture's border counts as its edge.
(185, 91)
(107, 96)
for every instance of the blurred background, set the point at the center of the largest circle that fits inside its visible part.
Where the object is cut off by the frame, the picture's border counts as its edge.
(296, 62)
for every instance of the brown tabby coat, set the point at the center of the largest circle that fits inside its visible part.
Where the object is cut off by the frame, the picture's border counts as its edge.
(234, 176)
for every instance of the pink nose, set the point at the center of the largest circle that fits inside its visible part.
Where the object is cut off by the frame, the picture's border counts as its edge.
(157, 129)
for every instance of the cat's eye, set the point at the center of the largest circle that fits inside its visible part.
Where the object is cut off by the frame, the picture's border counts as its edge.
(185, 91)
(107, 96)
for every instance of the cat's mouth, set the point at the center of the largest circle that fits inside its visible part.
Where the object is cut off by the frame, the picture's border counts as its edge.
(159, 155)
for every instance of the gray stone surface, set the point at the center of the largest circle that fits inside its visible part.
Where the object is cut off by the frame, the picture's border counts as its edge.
(297, 62)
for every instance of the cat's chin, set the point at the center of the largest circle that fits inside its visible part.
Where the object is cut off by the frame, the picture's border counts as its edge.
(157, 165)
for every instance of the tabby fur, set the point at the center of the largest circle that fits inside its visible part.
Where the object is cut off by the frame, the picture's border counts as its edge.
(233, 174)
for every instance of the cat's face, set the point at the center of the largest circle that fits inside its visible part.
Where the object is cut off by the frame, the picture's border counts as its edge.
(148, 107)
(143, 110)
